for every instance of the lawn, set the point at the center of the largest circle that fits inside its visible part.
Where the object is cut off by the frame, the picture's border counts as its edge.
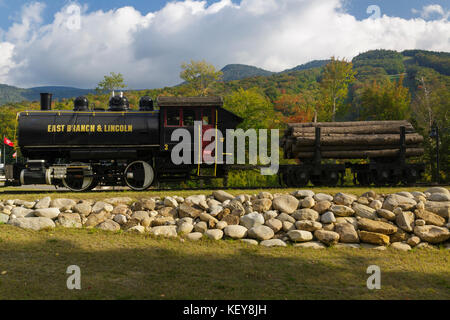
(128, 266)
(33, 194)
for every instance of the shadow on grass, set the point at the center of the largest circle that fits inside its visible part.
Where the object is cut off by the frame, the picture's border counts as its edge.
(169, 269)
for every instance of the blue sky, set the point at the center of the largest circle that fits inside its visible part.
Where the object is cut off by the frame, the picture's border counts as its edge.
(147, 41)
(10, 9)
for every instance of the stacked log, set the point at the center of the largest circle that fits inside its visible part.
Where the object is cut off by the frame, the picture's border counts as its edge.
(351, 140)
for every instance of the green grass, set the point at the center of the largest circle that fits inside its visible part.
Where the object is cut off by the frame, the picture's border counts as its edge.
(28, 194)
(128, 266)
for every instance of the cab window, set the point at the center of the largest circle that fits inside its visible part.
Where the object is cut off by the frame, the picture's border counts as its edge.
(206, 117)
(188, 118)
(173, 117)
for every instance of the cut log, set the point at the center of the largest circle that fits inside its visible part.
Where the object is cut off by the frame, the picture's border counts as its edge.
(359, 154)
(380, 139)
(350, 148)
(374, 129)
(398, 123)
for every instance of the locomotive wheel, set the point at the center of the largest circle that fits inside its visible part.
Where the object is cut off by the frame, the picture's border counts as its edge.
(301, 178)
(410, 176)
(139, 175)
(331, 178)
(363, 178)
(316, 180)
(78, 179)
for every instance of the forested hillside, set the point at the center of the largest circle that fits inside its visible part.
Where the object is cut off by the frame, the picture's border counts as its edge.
(379, 85)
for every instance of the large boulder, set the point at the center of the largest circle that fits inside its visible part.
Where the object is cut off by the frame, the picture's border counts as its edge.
(300, 235)
(308, 225)
(261, 232)
(364, 211)
(222, 195)
(376, 226)
(235, 231)
(252, 220)
(438, 190)
(303, 193)
(306, 214)
(274, 224)
(322, 206)
(262, 205)
(344, 199)
(186, 210)
(43, 203)
(405, 220)
(214, 234)
(430, 217)
(51, 213)
(100, 206)
(108, 225)
(285, 203)
(439, 197)
(273, 243)
(374, 238)
(347, 232)
(432, 234)
(327, 237)
(69, 220)
(20, 212)
(164, 231)
(395, 200)
(441, 208)
(63, 204)
(342, 210)
(83, 208)
(34, 223)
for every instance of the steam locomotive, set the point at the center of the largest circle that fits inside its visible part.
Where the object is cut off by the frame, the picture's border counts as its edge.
(86, 147)
(83, 148)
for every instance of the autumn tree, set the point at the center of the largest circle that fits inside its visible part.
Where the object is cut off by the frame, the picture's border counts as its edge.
(114, 81)
(385, 100)
(337, 76)
(200, 76)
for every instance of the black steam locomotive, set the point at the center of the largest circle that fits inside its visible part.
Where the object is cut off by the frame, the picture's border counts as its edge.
(83, 148)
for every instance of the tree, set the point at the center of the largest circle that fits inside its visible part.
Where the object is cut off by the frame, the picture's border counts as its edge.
(199, 76)
(114, 81)
(337, 75)
(386, 100)
(253, 107)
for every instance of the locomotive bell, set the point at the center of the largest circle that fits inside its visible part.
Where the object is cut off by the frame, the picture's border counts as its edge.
(146, 104)
(81, 104)
(118, 103)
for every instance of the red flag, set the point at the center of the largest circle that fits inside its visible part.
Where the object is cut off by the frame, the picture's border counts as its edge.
(14, 155)
(8, 142)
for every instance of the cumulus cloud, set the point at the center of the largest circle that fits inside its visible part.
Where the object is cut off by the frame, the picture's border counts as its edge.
(432, 10)
(148, 48)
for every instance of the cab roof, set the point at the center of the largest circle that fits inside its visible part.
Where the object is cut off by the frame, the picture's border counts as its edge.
(213, 101)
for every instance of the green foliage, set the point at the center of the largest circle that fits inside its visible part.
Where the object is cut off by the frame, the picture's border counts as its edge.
(253, 107)
(114, 81)
(389, 60)
(387, 100)
(241, 71)
(337, 76)
(199, 76)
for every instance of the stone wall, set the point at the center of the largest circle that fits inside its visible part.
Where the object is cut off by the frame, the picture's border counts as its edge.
(303, 218)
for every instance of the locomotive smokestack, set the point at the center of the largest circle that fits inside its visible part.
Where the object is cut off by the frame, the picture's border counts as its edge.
(46, 101)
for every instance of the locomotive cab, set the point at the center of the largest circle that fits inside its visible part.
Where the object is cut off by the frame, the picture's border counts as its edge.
(196, 115)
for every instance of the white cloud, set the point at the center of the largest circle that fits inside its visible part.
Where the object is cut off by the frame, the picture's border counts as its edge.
(148, 48)
(432, 11)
